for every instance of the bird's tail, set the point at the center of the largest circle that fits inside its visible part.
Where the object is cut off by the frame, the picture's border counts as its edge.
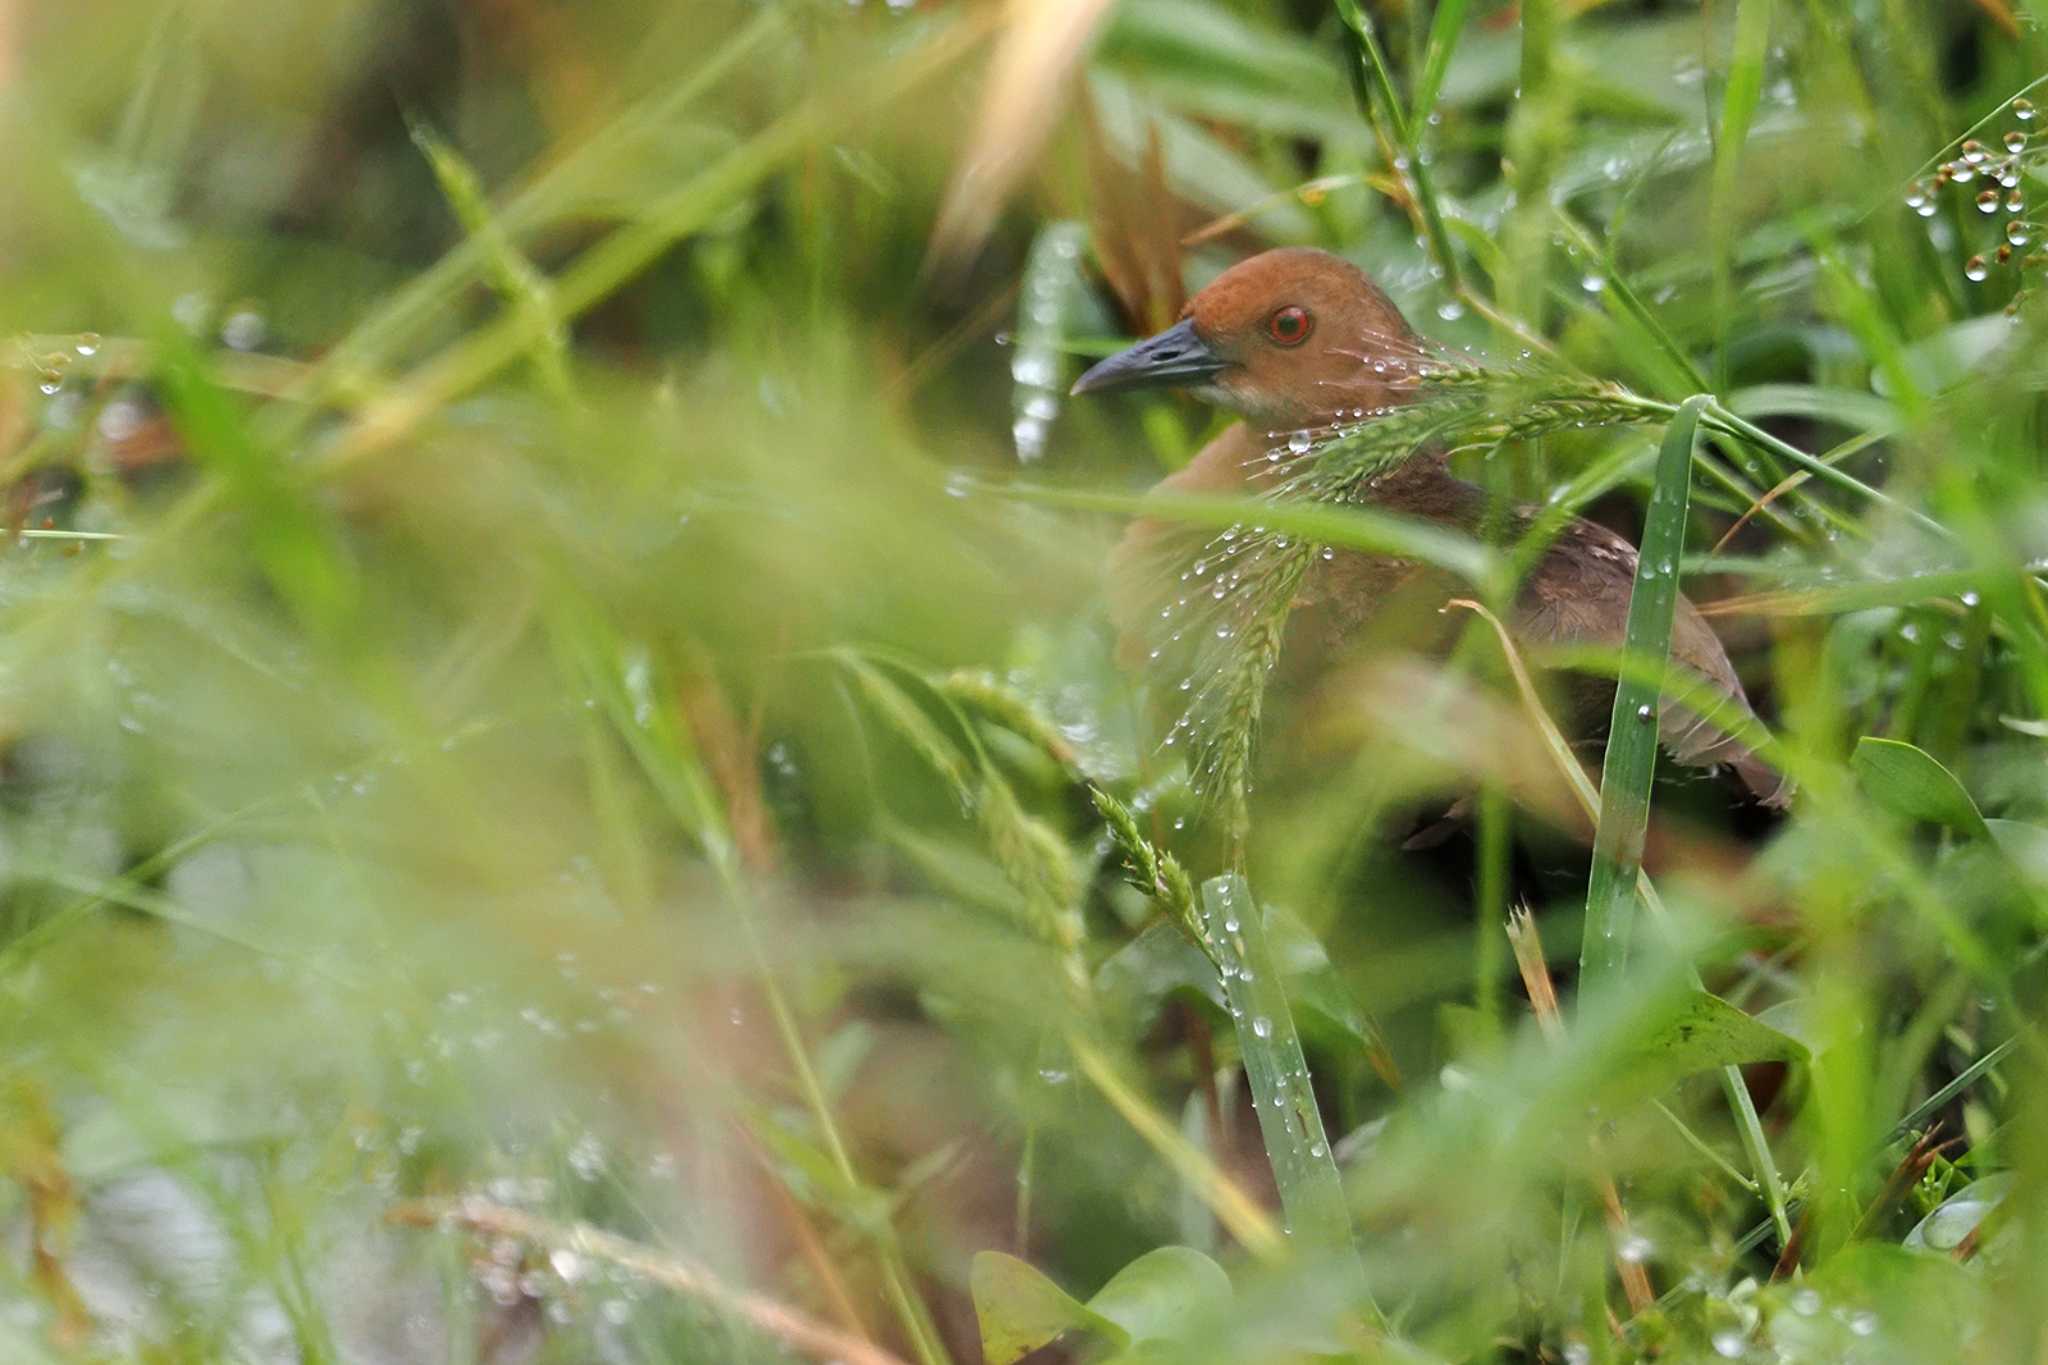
(1692, 739)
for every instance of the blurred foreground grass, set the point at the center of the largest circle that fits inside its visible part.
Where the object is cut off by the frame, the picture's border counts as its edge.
(537, 695)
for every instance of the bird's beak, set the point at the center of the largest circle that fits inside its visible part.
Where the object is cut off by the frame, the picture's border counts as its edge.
(1176, 358)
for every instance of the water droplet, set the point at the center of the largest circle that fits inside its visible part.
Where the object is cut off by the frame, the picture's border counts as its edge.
(1643, 712)
(1805, 1302)
(1728, 1343)
(1863, 1324)
(1262, 1027)
(1593, 283)
(1299, 443)
(244, 330)
(1450, 310)
(1974, 152)
(1976, 269)
(586, 1157)
(2019, 232)
(2023, 109)
(2015, 202)
(1987, 201)
(1635, 1248)
(88, 344)
(2015, 142)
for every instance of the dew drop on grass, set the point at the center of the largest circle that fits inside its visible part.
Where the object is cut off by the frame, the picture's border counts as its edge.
(1299, 443)
(1987, 201)
(2019, 232)
(1593, 283)
(1643, 712)
(1262, 1027)
(2023, 109)
(1976, 269)
(244, 330)
(1974, 152)
(586, 1157)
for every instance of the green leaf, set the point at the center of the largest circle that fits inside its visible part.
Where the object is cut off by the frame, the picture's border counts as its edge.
(1961, 1213)
(1021, 1310)
(1153, 1296)
(1907, 781)
(1700, 1033)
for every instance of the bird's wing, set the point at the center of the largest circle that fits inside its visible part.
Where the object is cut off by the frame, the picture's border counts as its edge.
(1579, 594)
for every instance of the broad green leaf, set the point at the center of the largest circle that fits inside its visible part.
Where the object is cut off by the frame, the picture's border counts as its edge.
(1702, 1032)
(1020, 1310)
(1907, 781)
(1153, 1296)
(1961, 1213)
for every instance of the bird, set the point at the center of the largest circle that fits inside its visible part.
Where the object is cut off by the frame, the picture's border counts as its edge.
(1296, 339)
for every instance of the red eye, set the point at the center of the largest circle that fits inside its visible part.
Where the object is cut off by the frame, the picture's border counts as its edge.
(1290, 326)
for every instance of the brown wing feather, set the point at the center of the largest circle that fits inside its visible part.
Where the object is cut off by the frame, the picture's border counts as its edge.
(1579, 593)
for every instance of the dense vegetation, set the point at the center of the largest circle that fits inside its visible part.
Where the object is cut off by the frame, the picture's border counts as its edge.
(568, 792)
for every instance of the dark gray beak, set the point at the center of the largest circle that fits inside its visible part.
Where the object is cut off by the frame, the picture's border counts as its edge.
(1176, 358)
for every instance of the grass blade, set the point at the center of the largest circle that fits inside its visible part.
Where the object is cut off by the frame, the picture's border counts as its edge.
(1446, 26)
(1311, 1191)
(1422, 187)
(1632, 738)
(1738, 109)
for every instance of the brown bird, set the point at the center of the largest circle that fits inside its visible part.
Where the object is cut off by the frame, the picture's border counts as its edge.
(1296, 339)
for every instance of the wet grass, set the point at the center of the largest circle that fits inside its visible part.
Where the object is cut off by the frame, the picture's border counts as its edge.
(567, 793)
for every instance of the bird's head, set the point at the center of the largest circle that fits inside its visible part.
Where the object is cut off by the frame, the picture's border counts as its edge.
(1289, 338)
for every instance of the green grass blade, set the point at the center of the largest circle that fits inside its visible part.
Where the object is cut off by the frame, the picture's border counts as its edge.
(512, 274)
(1446, 26)
(1380, 81)
(1738, 110)
(1632, 738)
(1311, 1191)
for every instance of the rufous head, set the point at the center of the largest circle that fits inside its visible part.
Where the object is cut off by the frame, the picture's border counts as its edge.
(1289, 338)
